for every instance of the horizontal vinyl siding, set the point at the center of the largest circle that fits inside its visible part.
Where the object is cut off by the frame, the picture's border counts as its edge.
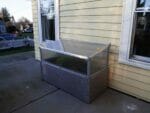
(100, 21)
(92, 19)
(128, 89)
(87, 32)
(91, 5)
(35, 27)
(129, 79)
(92, 12)
(91, 26)
(114, 42)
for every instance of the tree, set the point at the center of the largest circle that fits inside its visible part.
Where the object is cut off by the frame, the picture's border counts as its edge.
(23, 22)
(6, 14)
(12, 29)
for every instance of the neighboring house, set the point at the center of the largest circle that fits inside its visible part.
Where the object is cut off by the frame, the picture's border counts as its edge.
(124, 23)
(2, 27)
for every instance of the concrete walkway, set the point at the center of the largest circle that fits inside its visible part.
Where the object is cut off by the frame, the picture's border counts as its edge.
(23, 91)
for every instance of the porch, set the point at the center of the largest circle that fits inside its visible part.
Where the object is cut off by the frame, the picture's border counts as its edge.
(23, 91)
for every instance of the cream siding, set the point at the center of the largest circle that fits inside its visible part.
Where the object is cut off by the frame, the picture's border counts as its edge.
(35, 27)
(100, 21)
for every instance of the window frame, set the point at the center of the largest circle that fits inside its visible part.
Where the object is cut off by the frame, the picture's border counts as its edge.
(129, 7)
(56, 10)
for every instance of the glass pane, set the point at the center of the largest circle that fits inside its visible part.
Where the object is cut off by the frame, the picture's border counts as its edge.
(141, 45)
(47, 19)
(143, 3)
(99, 62)
(81, 47)
(65, 61)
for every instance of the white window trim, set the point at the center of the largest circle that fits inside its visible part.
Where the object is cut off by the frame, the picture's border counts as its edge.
(126, 34)
(44, 43)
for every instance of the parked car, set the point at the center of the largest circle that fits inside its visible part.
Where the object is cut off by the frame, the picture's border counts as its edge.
(2, 39)
(6, 44)
(28, 30)
(8, 36)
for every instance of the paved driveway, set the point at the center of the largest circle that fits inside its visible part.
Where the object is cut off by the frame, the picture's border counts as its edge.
(23, 91)
(20, 81)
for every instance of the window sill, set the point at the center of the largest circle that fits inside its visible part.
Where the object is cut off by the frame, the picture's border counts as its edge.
(135, 63)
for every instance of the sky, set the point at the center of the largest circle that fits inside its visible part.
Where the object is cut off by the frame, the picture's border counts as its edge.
(18, 8)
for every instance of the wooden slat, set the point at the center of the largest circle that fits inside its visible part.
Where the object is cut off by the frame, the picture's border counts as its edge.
(35, 28)
(97, 26)
(130, 75)
(130, 90)
(34, 7)
(35, 19)
(34, 3)
(94, 4)
(98, 11)
(133, 69)
(70, 2)
(129, 81)
(90, 38)
(99, 33)
(92, 19)
(65, 2)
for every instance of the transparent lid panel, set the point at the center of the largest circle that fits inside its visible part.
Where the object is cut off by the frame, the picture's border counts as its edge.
(82, 48)
(98, 62)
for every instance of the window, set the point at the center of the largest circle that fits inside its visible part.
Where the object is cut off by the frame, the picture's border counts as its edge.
(141, 31)
(135, 40)
(49, 20)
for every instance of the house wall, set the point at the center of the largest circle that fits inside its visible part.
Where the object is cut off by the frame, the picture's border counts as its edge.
(36, 28)
(99, 21)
